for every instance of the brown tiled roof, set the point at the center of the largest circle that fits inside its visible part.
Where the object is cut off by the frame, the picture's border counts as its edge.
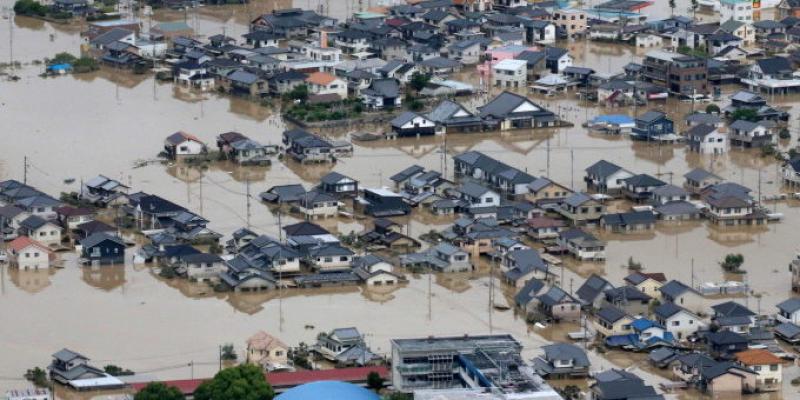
(757, 357)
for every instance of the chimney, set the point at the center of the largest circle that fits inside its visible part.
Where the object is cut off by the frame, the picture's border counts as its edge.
(323, 39)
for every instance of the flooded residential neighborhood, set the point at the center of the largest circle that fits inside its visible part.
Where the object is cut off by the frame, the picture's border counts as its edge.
(488, 198)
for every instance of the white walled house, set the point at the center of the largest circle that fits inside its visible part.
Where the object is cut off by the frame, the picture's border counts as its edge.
(479, 196)
(510, 73)
(677, 320)
(26, 253)
(411, 124)
(789, 311)
(737, 10)
(679, 294)
(43, 231)
(766, 365)
(606, 177)
(707, 139)
(325, 83)
(182, 144)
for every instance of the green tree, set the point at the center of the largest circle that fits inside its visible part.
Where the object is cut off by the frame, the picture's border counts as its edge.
(633, 265)
(419, 81)
(30, 8)
(38, 377)
(159, 391)
(63, 58)
(299, 356)
(299, 92)
(374, 381)
(571, 392)
(746, 114)
(695, 5)
(227, 352)
(732, 263)
(243, 382)
(712, 109)
(115, 370)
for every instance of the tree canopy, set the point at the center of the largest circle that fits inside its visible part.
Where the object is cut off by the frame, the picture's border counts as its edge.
(159, 391)
(30, 8)
(243, 382)
(419, 81)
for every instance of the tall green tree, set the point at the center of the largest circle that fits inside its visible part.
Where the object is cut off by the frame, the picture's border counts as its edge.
(243, 382)
(419, 81)
(159, 391)
(374, 381)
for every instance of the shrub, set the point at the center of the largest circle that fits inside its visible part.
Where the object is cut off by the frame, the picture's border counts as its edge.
(30, 8)
(732, 263)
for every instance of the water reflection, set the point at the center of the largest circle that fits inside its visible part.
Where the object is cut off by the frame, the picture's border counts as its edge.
(30, 280)
(104, 277)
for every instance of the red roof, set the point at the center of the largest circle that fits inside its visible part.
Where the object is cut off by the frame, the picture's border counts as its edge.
(23, 241)
(337, 374)
(287, 379)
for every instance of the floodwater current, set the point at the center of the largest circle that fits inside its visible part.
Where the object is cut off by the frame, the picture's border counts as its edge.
(108, 122)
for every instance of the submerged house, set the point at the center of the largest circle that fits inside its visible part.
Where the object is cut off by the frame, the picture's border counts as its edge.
(182, 144)
(103, 248)
(72, 369)
(582, 245)
(511, 111)
(383, 203)
(562, 361)
(606, 177)
(452, 117)
(411, 124)
(104, 191)
(443, 257)
(653, 125)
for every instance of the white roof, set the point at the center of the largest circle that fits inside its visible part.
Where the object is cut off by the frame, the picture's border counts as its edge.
(511, 64)
(552, 79)
(106, 381)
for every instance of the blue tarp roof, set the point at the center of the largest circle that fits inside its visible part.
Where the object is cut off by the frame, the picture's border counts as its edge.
(616, 119)
(60, 67)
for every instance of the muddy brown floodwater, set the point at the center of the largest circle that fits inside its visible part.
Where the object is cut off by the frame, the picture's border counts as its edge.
(80, 126)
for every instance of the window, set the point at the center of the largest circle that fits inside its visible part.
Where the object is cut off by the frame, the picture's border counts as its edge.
(343, 258)
(328, 259)
(773, 367)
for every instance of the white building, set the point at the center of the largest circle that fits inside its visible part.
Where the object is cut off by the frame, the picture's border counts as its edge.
(678, 321)
(510, 73)
(737, 10)
(26, 253)
(707, 139)
(325, 83)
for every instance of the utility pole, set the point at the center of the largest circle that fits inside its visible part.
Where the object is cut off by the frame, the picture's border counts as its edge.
(247, 186)
(220, 358)
(548, 157)
(692, 273)
(491, 296)
(11, 37)
(444, 157)
(430, 287)
(201, 195)
(572, 169)
(25, 170)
